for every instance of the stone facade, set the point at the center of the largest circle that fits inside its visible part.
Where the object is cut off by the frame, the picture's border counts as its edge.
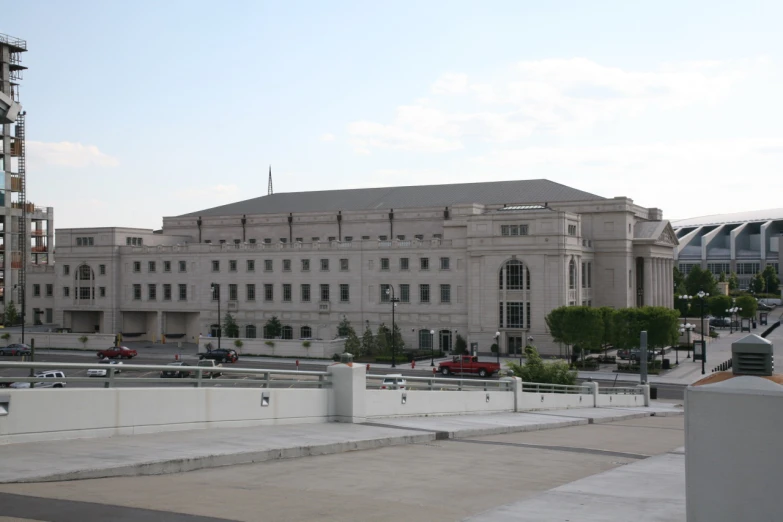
(471, 269)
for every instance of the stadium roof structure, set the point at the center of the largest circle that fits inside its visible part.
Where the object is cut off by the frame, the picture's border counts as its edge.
(517, 192)
(774, 214)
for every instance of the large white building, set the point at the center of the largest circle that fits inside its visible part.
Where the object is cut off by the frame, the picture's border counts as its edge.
(741, 242)
(476, 259)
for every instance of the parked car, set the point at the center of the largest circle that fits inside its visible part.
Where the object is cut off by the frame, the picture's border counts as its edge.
(771, 301)
(720, 322)
(209, 363)
(123, 352)
(50, 381)
(103, 372)
(764, 307)
(623, 353)
(16, 349)
(394, 381)
(221, 354)
(468, 364)
(176, 370)
(634, 355)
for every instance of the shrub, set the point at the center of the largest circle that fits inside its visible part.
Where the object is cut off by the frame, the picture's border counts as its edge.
(83, 339)
(238, 343)
(306, 344)
(535, 370)
(270, 343)
(589, 364)
(336, 357)
(6, 336)
(494, 348)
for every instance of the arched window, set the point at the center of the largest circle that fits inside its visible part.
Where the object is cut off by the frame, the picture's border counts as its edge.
(287, 333)
(512, 276)
(305, 332)
(85, 283)
(572, 275)
(250, 331)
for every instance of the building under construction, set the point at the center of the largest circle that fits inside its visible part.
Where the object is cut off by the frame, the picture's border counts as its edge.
(26, 231)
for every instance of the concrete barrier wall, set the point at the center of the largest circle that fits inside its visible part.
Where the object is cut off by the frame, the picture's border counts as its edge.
(388, 403)
(609, 400)
(49, 414)
(94, 342)
(280, 347)
(547, 401)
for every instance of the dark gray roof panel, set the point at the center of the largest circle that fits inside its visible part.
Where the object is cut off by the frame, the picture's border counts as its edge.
(536, 191)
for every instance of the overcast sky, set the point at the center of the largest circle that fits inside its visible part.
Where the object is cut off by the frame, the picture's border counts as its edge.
(143, 109)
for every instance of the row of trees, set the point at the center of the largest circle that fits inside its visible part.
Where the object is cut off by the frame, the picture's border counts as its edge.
(698, 279)
(593, 329)
(717, 305)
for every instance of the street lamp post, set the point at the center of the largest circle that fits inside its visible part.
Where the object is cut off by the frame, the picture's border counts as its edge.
(432, 347)
(393, 300)
(702, 297)
(216, 295)
(685, 298)
(497, 345)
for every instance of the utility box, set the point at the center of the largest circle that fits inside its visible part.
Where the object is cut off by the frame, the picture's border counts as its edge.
(752, 355)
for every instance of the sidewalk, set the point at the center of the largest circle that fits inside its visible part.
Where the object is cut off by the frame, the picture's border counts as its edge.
(178, 451)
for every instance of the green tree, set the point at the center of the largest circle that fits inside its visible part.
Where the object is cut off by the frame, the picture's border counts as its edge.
(749, 306)
(383, 339)
(722, 277)
(535, 370)
(679, 282)
(369, 346)
(608, 331)
(353, 344)
(555, 321)
(771, 280)
(230, 326)
(733, 281)
(399, 343)
(757, 283)
(11, 314)
(683, 306)
(699, 279)
(344, 328)
(718, 304)
(273, 328)
(460, 345)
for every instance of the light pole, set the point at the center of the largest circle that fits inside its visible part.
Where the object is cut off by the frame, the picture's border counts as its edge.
(702, 296)
(530, 343)
(216, 295)
(685, 298)
(393, 300)
(497, 345)
(432, 347)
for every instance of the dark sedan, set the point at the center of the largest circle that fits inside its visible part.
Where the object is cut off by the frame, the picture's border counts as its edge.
(220, 355)
(16, 349)
(176, 370)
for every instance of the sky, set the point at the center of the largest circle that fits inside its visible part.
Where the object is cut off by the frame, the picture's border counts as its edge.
(139, 110)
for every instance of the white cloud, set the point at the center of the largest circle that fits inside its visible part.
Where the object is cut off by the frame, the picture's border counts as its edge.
(557, 96)
(68, 154)
(327, 137)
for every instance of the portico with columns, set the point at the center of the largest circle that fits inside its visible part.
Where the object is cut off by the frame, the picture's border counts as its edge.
(653, 245)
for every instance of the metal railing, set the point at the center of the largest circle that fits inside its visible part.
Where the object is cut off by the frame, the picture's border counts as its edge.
(535, 387)
(375, 381)
(197, 376)
(14, 41)
(628, 390)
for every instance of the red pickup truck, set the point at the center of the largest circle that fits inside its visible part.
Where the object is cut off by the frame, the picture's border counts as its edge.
(468, 364)
(122, 352)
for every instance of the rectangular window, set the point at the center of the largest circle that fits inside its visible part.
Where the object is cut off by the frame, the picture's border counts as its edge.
(216, 266)
(284, 240)
(152, 292)
(251, 265)
(424, 293)
(405, 293)
(445, 263)
(404, 263)
(250, 291)
(419, 237)
(401, 238)
(222, 241)
(305, 265)
(183, 292)
(137, 266)
(747, 268)
(515, 314)
(78, 241)
(237, 241)
(67, 291)
(343, 265)
(324, 265)
(102, 291)
(137, 292)
(36, 290)
(167, 266)
(167, 292)
(424, 263)
(49, 290)
(325, 293)
(267, 240)
(332, 238)
(348, 239)
(84, 292)
(365, 238)
(385, 294)
(183, 266)
(232, 265)
(590, 275)
(571, 230)
(208, 241)
(383, 238)
(445, 294)
(252, 241)
(384, 263)
(315, 239)
(513, 230)
(718, 268)
(299, 240)
(269, 292)
(345, 293)
(102, 269)
(233, 292)
(66, 269)
(305, 290)
(286, 265)
(287, 292)
(584, 275)
(268, 265)
(215, 291)
(151, 266)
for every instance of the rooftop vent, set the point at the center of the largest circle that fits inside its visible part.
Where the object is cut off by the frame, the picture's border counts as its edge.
(752, 355)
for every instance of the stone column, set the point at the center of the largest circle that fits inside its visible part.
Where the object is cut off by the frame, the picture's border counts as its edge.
(648, 285)
(659, 285)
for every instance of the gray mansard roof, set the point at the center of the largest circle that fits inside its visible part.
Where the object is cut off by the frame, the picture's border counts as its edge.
(492, 192)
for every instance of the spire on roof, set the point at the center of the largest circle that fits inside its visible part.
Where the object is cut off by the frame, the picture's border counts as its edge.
(269, 190)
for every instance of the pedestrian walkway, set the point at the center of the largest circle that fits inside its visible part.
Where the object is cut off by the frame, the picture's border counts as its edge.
(173, 452)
